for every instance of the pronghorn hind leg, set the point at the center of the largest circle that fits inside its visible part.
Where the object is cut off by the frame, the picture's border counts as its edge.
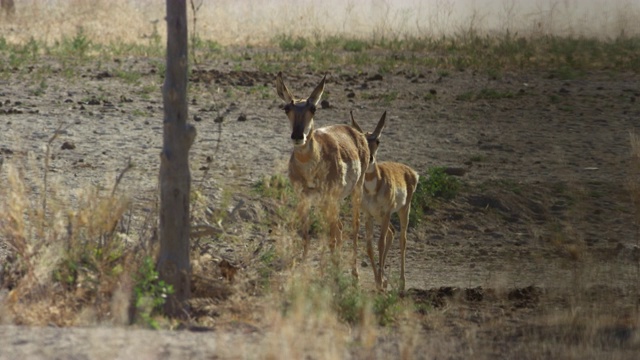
(356, 201)
(387, 245)
(404, 224)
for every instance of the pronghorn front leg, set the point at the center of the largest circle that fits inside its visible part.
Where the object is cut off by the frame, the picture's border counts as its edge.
(368, 224)
(303, 216)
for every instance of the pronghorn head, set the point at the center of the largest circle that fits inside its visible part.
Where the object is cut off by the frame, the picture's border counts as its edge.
(299, 111)
(373, 139)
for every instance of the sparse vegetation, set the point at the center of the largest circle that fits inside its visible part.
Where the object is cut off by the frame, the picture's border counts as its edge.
(516, 261)
(149, 292)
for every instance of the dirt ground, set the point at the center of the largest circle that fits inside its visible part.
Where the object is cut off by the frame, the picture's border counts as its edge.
(537, 256)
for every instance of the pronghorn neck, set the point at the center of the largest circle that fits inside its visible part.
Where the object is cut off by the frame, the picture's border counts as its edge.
(372, 178)
(303, 154)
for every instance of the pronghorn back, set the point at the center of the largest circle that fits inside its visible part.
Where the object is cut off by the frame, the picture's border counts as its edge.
(389, 189)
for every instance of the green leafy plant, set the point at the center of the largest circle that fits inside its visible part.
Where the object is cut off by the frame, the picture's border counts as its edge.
(355, 45)
(289, 43)
(79, 45)
(386, 307)
(436, 185)
(149, 292)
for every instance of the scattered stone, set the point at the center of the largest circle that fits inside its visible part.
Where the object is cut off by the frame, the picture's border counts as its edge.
(67, 145)
(242, 117)
(455, 171)
(325, 104)
(102, 75)
(197, 118)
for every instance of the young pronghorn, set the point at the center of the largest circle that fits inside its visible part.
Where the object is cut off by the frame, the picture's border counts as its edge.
(388, 188)
(327, 165)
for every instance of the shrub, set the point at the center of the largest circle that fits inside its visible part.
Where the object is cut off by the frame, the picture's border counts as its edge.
(436, 185)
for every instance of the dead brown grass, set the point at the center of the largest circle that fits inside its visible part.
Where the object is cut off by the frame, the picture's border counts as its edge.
(73, 260)
(70, 260)
(243, 22)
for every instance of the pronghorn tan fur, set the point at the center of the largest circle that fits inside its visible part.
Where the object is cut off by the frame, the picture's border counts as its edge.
(388, 188)
(327, 165)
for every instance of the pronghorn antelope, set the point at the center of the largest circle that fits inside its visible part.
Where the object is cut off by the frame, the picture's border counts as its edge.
(388, 188)
(327, 165)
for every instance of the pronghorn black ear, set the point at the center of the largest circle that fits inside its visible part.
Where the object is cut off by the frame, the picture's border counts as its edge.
(354, 124)
(380, 127)
(282, 90)
(317, 92)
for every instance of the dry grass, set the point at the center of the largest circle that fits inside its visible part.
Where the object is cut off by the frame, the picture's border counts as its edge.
(233, 22)
(71, 256)
(77, 260)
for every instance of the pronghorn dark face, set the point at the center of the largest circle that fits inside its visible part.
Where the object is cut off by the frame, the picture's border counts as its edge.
(299, 111)
(373, 139)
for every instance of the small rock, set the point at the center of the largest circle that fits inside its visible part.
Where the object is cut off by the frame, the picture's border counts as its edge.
(67, 145)
(455, 171)
(197, 118)
(242, 117)
(325, 104)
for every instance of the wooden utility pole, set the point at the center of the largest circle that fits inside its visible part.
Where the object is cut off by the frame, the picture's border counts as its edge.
(175, 178)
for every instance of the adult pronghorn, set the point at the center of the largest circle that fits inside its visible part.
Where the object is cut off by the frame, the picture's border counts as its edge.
(388, 188)
(326, 166)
